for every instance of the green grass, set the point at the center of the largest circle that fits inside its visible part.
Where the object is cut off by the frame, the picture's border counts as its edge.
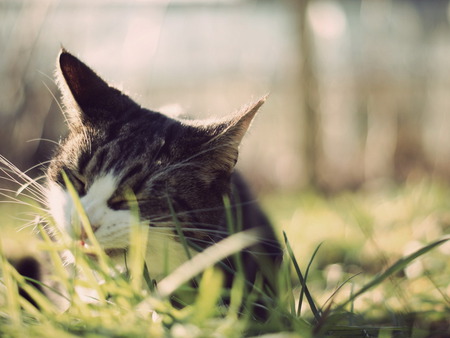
(365, 233)
(362, 264)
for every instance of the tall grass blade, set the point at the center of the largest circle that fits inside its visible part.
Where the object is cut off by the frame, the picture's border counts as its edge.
(236, 296)
(302, 292)
(312, 305)
(178, 228)
(233, 229)
(208, 257)
(399, 265)
(210, 289)
(46, 308)
(85, 223)
(148, 280)
(138, 244)
(11, 290)
(338, 288)
(52, 248)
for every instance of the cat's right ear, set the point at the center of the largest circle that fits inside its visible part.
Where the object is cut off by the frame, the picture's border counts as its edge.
(86, 96)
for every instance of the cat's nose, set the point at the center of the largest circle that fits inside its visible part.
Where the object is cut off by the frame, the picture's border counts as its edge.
(84, 236)
(95, 213)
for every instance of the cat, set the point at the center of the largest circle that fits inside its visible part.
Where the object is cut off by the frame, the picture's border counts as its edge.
(173, 167)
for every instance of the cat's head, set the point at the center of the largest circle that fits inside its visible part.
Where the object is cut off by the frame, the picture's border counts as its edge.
(115, 147)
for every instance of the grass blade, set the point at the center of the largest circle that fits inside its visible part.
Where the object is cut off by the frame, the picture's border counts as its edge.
(338, 288)
(399, 265)
(312, 305)
(178, 228)
(208, 257)
(299, 309)
(85, 223)
(138, 245)
(210, 289)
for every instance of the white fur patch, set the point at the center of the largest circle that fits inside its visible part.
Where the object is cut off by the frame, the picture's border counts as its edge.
(60, 205)
(112, 227)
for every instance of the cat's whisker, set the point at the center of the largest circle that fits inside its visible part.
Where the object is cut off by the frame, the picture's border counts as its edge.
(9, 179)
(40, 164)
(169, 169)
(33, 194)
(207, 243)
(200, 153)
(189, 212)
(31, 197)
(117, 153)
(13, 200)
(183, 164)
(28, 222)
(15, 175)
(31, 188)
(188, 161)
(204, 229)
(40, 139)
(201, 230)
(188, 229)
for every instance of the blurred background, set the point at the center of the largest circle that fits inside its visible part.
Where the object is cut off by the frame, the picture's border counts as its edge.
(352, 146)
(359, 90)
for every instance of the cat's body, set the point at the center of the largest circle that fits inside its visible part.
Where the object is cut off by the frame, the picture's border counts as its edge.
(179, 171)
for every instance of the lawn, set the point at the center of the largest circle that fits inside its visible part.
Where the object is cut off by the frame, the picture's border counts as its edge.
(362, 234)
(373, 262)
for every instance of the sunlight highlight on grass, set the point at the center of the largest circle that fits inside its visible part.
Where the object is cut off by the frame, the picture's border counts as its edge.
(138, 240)
(208, 257)
(210, 289)
(120, 306)
(85, 224)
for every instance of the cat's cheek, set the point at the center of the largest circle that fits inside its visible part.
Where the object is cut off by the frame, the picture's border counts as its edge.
(114, 232)
(60, 206)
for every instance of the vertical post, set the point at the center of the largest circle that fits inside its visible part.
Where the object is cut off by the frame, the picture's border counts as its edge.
(310, 91)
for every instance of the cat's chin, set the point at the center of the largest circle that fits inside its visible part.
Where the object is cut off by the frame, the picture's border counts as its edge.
(115, 253)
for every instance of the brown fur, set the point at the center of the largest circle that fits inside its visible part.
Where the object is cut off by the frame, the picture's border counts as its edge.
(187, 165)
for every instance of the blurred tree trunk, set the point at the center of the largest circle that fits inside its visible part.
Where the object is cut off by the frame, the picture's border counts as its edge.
(310, 92)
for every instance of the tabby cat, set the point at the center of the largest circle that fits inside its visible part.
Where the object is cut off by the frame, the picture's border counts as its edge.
(171, 166)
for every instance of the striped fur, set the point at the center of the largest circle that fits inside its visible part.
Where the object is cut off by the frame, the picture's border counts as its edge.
(115, 146)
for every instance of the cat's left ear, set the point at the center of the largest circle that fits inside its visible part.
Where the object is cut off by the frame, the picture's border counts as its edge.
(88, 97)
(225, 143)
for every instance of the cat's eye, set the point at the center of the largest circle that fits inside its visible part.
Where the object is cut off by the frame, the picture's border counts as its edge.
(118, 202)
(123, 201)
(78, 181)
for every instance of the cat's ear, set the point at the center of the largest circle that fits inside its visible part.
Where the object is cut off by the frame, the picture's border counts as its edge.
(228, 136)
(86, 96)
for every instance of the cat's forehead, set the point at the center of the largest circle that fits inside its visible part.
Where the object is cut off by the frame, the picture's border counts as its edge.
(144, 125)
(138, 131)
(102, 188)
(120, 148)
